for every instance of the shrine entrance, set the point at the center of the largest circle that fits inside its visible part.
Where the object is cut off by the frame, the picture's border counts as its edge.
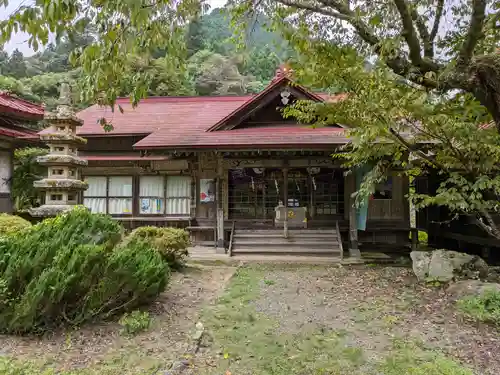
(254, 194)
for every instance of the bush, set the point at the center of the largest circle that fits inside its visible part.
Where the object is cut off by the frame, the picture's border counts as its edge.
(26, 171)
(483, 308)
(10, 224)
(171, 243)
(423, 238)
(68, 270)
(135, 322)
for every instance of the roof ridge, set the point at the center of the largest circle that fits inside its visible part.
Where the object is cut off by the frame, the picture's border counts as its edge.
(192, 98)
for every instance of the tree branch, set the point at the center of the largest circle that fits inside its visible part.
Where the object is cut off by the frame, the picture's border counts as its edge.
(475, 32)
(424, 34)
(437, 20)
(490, 228)
(316, 9)
(409, 32)
(398, 64)
(413, 148)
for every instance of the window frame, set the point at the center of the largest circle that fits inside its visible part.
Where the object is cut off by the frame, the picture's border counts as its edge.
(136, 197)
(189, 197)
(108, 197)
(139, 197)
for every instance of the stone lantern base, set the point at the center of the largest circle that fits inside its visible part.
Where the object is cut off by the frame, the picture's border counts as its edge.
(50, 210)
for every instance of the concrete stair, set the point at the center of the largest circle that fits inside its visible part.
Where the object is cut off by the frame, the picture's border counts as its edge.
(300, 243)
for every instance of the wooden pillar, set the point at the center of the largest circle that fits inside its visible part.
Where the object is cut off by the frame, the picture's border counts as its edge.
(219, 206)
(264, 186)
(353, 224)
(285, 203)
(310, 212)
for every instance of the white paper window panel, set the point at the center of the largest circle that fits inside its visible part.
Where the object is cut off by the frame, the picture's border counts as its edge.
(178, 186)
(95, 205)
(97, 186)
(120, 186)
(178, 206)
(120, 206)
(151, 206)
(5, 171)
(151, 186)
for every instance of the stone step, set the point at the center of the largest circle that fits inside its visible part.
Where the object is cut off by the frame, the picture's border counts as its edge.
(308, 232)
(297, 259)
(281, 235)
(333, 252)
(279, 242)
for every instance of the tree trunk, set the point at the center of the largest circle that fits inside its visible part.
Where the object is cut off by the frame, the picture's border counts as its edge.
(485, 84)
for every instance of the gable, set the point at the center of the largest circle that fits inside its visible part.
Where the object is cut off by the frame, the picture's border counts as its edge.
(265, 108)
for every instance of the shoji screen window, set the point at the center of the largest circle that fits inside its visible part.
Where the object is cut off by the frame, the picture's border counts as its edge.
(178, 195)
(111, 195)
(120, 195)
(152, 195)
(94, 198)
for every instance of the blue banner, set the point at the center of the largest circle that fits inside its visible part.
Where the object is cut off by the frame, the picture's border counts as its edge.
(362, 210)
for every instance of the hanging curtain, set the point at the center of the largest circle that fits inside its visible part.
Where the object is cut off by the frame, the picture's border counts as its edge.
(95, 196)
(120, 186)
(178, 195)
(151, 193)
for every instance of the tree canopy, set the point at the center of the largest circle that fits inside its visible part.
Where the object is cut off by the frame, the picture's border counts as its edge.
(441, 45)
(211, 65)
(395, 127)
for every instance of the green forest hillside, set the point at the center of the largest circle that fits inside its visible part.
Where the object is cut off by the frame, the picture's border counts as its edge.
(213, 65)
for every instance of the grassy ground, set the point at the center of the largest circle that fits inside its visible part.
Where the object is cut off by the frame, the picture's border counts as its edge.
(253, 342)
(276, 320)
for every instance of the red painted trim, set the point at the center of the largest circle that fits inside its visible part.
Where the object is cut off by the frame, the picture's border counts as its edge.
(123, 157)
(246, 146)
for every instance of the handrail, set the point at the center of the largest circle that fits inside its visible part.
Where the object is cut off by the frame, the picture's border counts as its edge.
(230, 248)
(340, 240)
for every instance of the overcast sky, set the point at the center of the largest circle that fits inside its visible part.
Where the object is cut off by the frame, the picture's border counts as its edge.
(20, 40)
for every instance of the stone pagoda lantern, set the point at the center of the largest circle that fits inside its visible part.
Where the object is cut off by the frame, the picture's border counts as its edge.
(63, 185)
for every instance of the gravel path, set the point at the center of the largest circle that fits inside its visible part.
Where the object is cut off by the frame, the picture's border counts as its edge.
(372, 306)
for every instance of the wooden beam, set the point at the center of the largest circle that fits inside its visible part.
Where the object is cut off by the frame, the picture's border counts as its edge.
(219, 205)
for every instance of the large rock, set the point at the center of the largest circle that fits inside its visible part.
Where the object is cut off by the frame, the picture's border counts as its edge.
(446, 265)
(465, 288)
(420, 263)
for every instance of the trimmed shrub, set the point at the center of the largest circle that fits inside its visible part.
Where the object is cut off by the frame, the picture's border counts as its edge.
(68, 270)
(483, 308)
(171, 243)
(10, 224)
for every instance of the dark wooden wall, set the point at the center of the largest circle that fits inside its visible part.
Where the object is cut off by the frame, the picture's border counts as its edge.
(447, 231)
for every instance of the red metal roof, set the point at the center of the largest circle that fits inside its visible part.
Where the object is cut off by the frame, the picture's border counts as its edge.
(488, 125)
(185, 122)
(19, 107)
(284, 137)
(14, 133)
(157, 113)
